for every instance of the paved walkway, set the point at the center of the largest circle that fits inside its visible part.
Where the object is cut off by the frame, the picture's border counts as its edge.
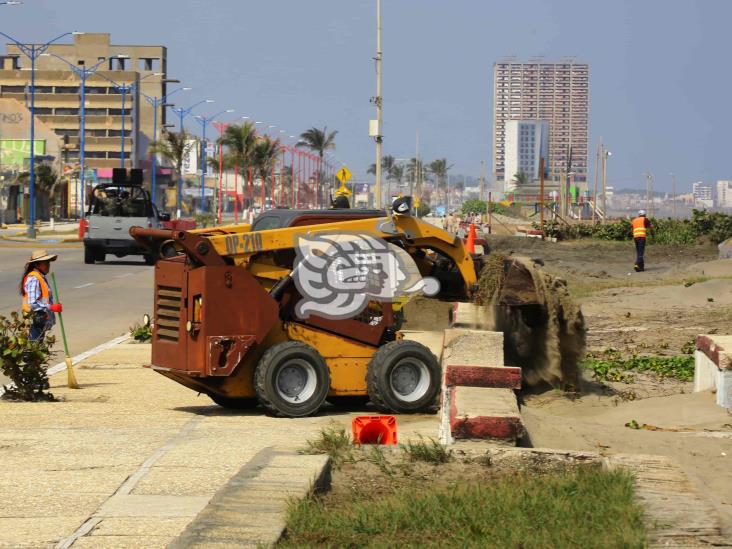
(132, 458)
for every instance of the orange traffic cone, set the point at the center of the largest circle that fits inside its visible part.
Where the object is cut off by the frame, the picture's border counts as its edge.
(470, 242)
(374, 430)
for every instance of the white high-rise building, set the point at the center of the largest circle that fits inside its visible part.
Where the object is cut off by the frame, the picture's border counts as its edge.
(724, 194)
(527, 141)
(702, 195)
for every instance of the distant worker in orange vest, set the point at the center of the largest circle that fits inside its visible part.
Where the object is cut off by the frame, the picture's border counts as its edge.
(641, 225)
(37, 294)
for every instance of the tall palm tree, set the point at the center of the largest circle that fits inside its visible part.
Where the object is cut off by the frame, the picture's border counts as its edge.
(174, 147)
(240, 139)
(440, 168)
(318, 141)
(264, 157)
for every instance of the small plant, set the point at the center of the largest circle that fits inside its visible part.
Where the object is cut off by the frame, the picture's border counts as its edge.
(24, 361)
(689, 347)
(429, 451)
(333, 441)
(614, 369)
(378, 458)
(204, 220)
(141, 332)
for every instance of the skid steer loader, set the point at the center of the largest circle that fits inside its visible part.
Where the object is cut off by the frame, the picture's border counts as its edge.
(229, 302)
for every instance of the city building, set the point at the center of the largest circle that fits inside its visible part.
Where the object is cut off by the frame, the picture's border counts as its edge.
(556, 93)
(702, 195)
(58, 96)
(724, 194)
(527, 141)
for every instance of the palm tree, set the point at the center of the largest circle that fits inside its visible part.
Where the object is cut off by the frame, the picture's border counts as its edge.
(240, 141)
(440, 168)
(389, 167)
(264, 157)
(521, 178)
(318, 141)
(174, 147)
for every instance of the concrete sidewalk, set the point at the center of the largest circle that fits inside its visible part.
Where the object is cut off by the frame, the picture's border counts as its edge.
(131, 459)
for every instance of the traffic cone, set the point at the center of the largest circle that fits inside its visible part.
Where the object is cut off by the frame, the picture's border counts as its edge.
(82, 228)
(374, 430)
(470, 242)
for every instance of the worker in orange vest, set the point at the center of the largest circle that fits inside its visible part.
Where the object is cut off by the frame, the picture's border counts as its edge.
(37, 294)
(640, 225)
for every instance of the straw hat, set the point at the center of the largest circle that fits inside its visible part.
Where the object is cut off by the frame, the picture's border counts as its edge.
(41, 255)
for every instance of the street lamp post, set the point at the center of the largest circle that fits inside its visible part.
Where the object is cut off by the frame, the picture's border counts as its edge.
(205, 121)
(182, 113)
(83, 74)
(156, 103)
(33, 51)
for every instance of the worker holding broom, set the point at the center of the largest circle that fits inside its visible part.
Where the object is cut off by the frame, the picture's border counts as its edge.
(37, 294)
(38, 302)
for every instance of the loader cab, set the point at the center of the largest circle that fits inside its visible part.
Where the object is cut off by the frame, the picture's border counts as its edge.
(278, 219)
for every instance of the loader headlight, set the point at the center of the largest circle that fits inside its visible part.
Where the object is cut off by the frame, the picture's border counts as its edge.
(146, 320)
(189, 326)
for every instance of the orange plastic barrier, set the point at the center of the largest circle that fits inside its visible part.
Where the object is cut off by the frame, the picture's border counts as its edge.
(83, 223)
(374, 430)
(470, 243)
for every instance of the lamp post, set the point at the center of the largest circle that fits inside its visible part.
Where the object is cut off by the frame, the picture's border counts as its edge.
(157, 102)
(605, 155)
(33, 51)
(205, 121)
(182, 113)
(83, 74)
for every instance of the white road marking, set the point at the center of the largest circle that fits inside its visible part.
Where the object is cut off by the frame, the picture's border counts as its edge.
(84, 285)
(120, 276)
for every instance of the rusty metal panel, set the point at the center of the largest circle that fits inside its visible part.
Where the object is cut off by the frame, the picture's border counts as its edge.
(229, 313)
(169, 320)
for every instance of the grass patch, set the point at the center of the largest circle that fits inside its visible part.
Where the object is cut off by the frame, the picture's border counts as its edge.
(582, 507)
(428, 451)
(333, 441)
(610, 367)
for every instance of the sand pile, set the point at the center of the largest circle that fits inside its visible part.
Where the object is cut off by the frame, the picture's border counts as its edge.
(546, 338)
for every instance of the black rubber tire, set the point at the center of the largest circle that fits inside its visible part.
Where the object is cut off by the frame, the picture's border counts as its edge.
(149, 259)
(268, 367)
(378, 378)
(90, 256)
(100, 256)
(233, 403)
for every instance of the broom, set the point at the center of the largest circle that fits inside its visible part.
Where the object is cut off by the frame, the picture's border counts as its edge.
(71, 377)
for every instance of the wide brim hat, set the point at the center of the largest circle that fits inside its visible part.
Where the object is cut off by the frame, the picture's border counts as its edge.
(41, 255)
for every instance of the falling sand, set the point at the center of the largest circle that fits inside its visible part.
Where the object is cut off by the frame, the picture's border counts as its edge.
(545, 338)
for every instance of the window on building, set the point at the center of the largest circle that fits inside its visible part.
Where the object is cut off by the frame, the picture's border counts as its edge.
(44, 89)
(96, 112)
(44, 110)
(63, 131)
(13, 89)
(66, 111)
(67, 89)
(115, 154)
(95, 154)
(96, 90)
(148, 64)
(96, 133)
(118, 133)
(118, 112)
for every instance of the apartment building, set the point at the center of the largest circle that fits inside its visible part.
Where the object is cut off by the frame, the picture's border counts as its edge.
(724, 194)
(527, 141)
(702, 195)
(555, 93)
(58, 96)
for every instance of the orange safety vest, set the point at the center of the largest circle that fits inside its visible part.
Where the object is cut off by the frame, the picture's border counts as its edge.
(639, 227)
(45, 291)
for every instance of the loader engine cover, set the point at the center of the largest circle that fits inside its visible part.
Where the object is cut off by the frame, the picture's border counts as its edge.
(207, 318)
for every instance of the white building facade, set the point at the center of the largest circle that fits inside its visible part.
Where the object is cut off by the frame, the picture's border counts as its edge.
(702, 195)
(527, 141)
(724, 194)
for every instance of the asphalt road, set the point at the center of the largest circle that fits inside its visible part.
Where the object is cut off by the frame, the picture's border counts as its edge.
(100, 301)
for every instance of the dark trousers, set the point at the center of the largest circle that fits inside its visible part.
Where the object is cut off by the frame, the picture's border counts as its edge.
(640, 250)
(39, 326)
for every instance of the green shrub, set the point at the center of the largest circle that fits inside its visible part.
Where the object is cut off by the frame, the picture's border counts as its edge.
(141, 332)
(24, 361)
(481, 207)
(204, 220)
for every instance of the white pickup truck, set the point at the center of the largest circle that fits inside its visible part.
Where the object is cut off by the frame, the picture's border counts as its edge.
(113, 209)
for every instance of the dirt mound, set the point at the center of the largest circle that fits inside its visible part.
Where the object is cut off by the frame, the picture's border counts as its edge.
(545, 338)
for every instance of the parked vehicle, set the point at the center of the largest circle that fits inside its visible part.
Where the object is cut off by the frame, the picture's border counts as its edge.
(113, 209)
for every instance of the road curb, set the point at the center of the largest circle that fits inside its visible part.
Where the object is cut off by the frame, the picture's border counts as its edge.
(61, 366)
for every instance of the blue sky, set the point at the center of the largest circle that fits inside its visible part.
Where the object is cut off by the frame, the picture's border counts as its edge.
(660, 75)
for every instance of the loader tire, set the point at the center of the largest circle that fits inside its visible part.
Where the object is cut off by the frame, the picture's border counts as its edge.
(292, 380)
(90, 256)
(234, 403)
(404, 377)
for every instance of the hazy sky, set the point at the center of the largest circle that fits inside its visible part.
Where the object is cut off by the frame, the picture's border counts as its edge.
(660, 78)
